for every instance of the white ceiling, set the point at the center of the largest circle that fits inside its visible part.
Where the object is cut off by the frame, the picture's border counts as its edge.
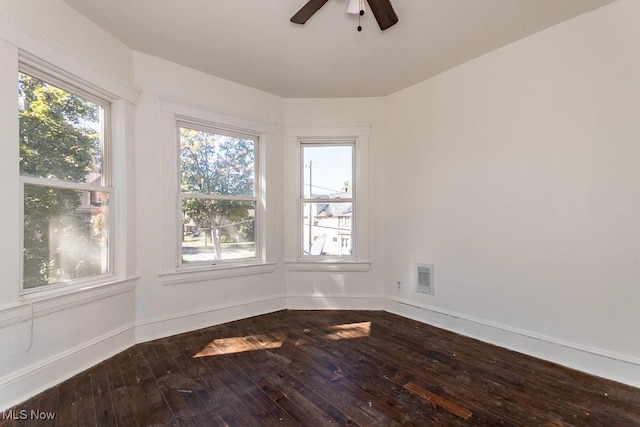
(253, 43)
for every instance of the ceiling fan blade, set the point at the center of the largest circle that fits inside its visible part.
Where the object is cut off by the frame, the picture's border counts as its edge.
(384, 13)
(307, 11)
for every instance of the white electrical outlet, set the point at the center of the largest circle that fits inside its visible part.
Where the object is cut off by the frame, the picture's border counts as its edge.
(399, 284)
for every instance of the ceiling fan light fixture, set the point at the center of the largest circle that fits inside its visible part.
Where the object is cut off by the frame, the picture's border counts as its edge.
(355, 7)
(382, 10)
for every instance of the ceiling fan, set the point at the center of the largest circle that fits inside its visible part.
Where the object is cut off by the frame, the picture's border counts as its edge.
(382, 10)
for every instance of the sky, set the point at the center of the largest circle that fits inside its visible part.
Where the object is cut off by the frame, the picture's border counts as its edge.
(331, 166)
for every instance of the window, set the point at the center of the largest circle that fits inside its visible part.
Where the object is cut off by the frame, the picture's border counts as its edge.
(218, 195)
(65, 182)
(215, 182)
(345, 245)
(344, 221)
(327, 197)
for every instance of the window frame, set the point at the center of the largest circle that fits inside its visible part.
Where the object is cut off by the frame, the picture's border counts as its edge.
(359, 133)
(172, 110)
(327, 142)
(217, 129)
(86, 91)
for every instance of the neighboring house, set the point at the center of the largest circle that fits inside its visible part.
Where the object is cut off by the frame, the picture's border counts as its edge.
(333, 223)
(92, 203)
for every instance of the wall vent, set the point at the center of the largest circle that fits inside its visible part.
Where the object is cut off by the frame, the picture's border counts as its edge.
(424, 274)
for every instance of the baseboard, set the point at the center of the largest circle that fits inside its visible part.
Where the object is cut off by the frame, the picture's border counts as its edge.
(621, 368)
(31, 380)
(321, 301)
(160, 327)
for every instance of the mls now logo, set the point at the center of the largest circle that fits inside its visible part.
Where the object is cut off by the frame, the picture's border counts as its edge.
(23, 414)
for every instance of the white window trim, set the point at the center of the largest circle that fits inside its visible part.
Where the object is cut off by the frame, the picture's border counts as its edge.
(221, 272)
(117, 116)
(173, 112)
(360, 223)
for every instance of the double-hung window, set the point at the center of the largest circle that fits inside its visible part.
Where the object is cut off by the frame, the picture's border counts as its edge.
(65, 181)
(218, 195)
(327, 199)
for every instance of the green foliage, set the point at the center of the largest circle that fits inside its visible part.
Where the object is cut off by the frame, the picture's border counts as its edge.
(218, 165)
(56, 141)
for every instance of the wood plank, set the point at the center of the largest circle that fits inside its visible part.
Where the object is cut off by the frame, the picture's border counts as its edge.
(439, 401)
(67, 410)
(85, 406)
(104, 410)
(169, 380)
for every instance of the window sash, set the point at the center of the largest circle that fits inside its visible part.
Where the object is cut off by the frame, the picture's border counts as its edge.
(304, 200)
(218, 197)
(257, 227)
(232, 226)
(56, 183)
(85, 93)
(326, 144)
(79, 187)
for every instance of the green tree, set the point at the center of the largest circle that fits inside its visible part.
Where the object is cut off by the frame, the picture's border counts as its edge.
(220, 165)
(56, 142)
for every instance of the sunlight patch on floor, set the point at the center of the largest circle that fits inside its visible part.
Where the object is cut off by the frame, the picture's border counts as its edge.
(233, 345)
(241, 344)
(349, 331)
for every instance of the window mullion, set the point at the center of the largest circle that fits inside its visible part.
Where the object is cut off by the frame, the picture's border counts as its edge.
(327, 200)
(205, 196)
(54, 183)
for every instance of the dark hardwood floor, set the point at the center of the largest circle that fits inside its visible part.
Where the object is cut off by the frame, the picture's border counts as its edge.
(317, 368)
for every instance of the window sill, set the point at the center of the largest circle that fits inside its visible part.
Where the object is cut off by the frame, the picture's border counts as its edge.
(200, 275)
(51, 300)
(339, 266)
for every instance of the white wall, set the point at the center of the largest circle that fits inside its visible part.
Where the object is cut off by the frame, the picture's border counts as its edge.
(517, 176)
(68, 33)
(339, 289)
(164, 308)
(45, 340)
(514, 174)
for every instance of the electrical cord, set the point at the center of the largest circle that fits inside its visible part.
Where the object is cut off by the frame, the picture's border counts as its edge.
(22, 299)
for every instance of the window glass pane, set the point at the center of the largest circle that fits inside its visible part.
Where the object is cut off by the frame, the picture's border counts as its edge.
(327, 229)
(60, 133)
(328, 170)
(65, 235)
(211, 163)
(217, 230)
